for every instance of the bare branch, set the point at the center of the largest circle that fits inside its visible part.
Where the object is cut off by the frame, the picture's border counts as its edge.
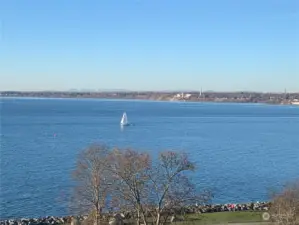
(92, 181)
(285, 205)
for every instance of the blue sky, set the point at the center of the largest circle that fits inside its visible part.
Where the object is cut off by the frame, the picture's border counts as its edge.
(220, 45)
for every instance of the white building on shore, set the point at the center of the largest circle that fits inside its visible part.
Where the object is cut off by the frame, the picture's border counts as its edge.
(295, 102)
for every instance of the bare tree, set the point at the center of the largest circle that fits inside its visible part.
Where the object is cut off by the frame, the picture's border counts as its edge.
(134, 183)
(92, 182)
(170, 189)
(129, 169)
(284, 209)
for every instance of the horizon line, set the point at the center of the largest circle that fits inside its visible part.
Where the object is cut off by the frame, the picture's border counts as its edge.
(142, 91)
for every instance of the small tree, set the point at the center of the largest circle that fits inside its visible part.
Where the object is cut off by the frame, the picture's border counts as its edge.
(129, 169)
(284, 209)
(170, 188)
(92, 181)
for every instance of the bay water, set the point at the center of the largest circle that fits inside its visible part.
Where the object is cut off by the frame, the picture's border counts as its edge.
(241, 150)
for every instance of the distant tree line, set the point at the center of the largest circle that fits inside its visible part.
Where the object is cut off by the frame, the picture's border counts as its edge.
(254, 97)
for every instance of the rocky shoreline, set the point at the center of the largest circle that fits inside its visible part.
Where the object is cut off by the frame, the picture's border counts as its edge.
(51, 220)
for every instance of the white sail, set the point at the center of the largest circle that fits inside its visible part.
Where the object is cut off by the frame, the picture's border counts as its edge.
(124, 119)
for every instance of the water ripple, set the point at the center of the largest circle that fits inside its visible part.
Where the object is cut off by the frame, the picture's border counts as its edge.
(241, 150)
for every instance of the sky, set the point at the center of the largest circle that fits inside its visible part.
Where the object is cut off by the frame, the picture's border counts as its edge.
(219, 45)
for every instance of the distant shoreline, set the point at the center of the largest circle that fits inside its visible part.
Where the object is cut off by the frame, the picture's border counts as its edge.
(227, 97)
(129, 99)
(163, 98)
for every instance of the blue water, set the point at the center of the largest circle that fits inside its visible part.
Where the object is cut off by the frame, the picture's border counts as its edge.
(241, 150)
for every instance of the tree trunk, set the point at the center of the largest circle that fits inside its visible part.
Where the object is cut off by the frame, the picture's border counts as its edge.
(96, 220)
(158, 218)
(143, 218)
(138, 217)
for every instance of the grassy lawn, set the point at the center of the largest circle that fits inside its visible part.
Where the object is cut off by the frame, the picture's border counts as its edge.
(212, 218)
(223, 217)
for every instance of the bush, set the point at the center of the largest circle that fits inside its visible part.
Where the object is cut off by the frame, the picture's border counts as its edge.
(285, 205)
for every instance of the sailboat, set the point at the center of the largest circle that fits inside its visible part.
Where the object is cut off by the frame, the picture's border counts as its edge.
(124, 120)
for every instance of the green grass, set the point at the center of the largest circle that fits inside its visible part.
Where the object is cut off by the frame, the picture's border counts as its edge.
(213, 218)
(223, 217)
